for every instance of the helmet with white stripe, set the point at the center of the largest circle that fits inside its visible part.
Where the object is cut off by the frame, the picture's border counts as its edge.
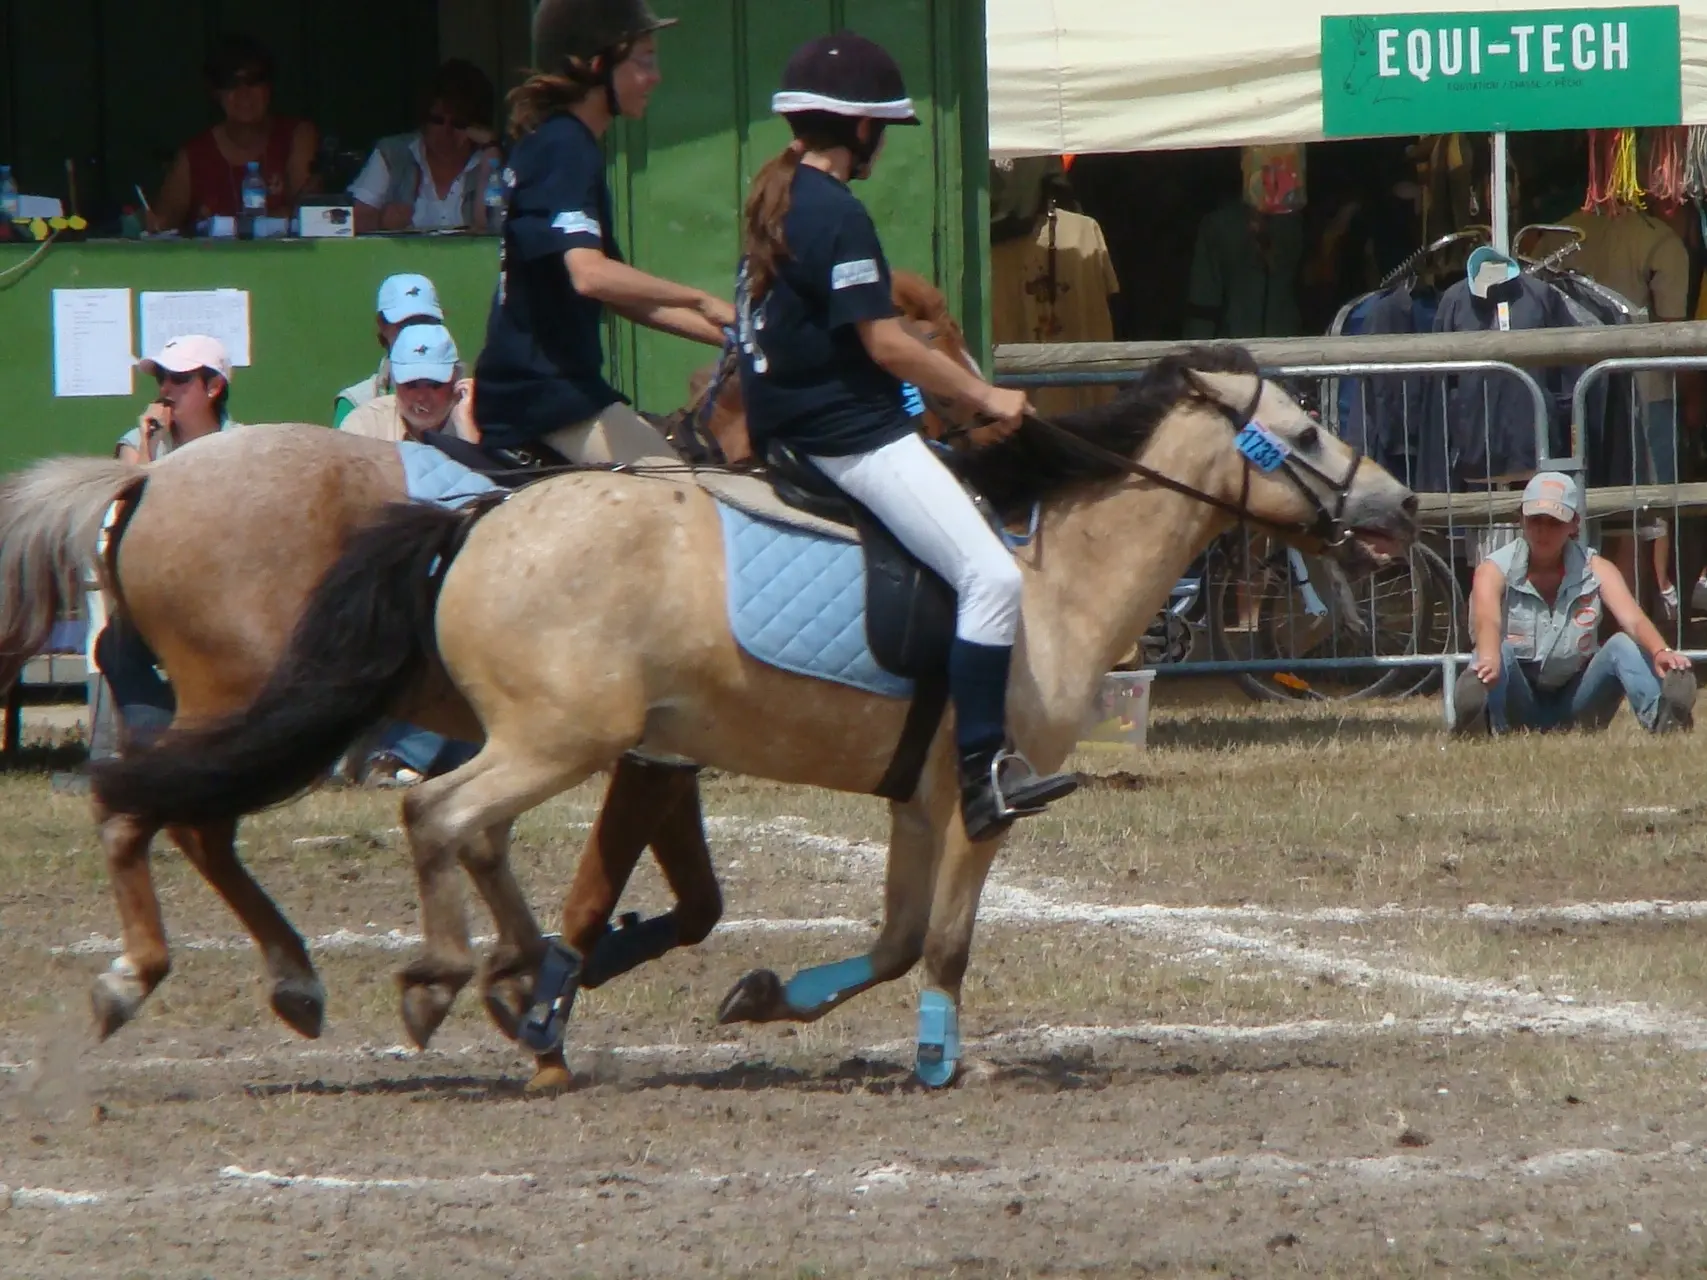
(845, 75)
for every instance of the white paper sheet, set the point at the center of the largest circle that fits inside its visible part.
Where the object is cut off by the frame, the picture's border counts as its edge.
(219, 313)
(91, 342)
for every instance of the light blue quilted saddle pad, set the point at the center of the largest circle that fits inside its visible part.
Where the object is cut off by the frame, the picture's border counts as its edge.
(431, 476)
(797, 602)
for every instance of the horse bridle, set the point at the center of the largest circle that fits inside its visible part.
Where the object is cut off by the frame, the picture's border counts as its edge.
(1328, 526)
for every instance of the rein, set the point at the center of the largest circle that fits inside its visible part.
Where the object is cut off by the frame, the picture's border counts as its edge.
(1328, 525)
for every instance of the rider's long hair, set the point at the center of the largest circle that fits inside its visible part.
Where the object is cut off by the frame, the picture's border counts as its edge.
(764, 243)
(545, 94)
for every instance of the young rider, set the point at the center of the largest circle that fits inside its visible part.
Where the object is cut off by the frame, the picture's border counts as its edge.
(823, 359)
(541, 375)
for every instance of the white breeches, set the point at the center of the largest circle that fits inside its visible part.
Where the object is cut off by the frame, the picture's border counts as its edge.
(918, 499)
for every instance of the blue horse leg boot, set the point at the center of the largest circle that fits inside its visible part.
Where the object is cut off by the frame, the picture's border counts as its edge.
(553, 997)
(938, 1059)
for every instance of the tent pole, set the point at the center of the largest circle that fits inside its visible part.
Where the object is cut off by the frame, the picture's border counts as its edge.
(1498, 198)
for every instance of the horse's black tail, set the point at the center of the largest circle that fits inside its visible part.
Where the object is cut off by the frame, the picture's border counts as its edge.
(366, 633)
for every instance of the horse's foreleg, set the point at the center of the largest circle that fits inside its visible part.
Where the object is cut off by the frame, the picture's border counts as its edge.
(761, 996)
(948, 949)
(144, 962)
(644, 804)
(297, 995)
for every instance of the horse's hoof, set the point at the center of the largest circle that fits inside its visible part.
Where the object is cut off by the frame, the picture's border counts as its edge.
(507, 1004)
(550, 1076)
(301, 1002)
(938, 1059)
(116, 996)
(112, 1008)
(757, 997)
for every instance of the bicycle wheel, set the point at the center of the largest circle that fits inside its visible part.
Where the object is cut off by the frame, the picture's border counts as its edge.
(1276, 612)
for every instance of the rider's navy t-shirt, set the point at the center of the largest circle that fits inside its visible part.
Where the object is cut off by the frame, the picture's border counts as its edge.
(543, 364)
(806, 377)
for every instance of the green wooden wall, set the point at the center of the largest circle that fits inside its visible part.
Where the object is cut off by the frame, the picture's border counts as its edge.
(310, 314)
(681, 175)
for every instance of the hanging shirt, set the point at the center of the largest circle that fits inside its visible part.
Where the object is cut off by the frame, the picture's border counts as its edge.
(543, 364)
(806, 377)
(1244, 275)
(1053, 285)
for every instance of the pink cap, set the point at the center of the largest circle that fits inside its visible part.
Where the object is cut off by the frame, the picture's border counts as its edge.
(187, 354)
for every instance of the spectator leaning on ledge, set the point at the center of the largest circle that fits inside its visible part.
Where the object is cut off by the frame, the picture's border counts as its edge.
(1535, 613)
(434, 178)
(403, 300)
(206, 178)
(194, 374)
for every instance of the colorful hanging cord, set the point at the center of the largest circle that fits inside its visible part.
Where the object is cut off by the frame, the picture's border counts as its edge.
(1695, 163)
(1667, 154)
(1612, 179)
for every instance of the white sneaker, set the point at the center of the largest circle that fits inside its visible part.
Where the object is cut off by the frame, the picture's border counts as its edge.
(1669, 599)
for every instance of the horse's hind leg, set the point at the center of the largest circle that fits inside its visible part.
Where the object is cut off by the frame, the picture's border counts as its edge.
(761, 996)
(143, 964)
(459, 815)
(297, 995)
(644, 803)
(507, 974)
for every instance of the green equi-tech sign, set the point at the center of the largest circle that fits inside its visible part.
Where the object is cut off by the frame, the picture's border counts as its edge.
(1511, 70)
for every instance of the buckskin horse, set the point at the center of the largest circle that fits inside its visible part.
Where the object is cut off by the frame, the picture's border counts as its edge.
(633, 650)
(217, 611)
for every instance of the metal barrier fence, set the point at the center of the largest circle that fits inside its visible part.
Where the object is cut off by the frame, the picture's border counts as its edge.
(1297, 633)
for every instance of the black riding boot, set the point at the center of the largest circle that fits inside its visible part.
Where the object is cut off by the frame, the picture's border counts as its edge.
(997, 785)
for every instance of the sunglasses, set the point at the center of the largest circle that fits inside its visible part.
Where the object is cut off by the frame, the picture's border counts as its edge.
(177, 379)
(441, 120)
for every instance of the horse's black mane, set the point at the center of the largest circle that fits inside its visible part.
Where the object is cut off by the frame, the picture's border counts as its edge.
(1033, 464)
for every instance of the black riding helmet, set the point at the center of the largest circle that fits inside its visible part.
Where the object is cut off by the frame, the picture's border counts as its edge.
(569, 34)
(838, 81)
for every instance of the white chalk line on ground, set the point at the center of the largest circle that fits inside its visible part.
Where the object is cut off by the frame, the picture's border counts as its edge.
(872, 1181)
(1201, 936)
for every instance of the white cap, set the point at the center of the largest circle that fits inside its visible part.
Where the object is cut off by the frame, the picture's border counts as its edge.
(408, 297)
(1551, 493)
(187, 354)
(424, 353)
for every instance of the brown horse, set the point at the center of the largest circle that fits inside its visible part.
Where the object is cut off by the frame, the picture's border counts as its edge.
(217, 611)
(567, 682)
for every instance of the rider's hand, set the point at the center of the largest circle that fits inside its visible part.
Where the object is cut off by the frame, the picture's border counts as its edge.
(1486, 667)
(1671, 660)
(1006, 408)
(716, 310)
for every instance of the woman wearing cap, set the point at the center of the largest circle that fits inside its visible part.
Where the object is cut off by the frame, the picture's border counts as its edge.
(823, 359)
(194, 374)
(403, 300)
(206, 178)
(540, 378)
(1535, 613)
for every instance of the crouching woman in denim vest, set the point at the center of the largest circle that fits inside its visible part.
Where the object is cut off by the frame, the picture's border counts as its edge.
(1535, 612)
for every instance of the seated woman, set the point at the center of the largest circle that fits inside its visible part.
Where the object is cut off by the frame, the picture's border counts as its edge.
(434, 177)
(1535, 612)
(432, 395)
(206, 178)
(823, 358)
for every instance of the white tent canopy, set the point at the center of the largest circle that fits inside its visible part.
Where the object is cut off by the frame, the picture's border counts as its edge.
(1075, 76)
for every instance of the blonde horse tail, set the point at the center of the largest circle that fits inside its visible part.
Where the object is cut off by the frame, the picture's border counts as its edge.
(50, 521)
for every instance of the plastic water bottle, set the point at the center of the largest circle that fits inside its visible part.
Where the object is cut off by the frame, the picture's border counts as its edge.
(496, 198)
(254, 190)
(8, 194)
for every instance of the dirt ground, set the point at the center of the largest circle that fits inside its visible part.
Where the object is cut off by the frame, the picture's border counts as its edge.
(1292, 992)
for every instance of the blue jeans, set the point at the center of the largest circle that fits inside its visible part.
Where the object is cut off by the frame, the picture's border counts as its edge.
(425, 752)
(1589, 699)
(145, 702)
(1659, 419)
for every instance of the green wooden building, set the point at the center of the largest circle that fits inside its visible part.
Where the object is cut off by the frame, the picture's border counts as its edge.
(115, 86)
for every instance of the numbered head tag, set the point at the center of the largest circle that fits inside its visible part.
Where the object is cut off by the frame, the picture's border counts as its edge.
(1265, 450)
